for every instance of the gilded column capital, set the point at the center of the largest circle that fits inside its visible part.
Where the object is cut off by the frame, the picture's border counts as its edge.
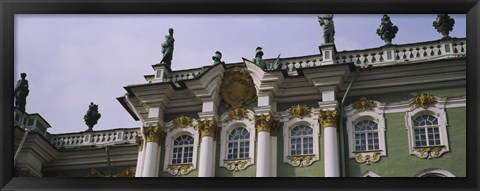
(207, 128)
(328, 118)
(139, 141)
(263, 122)
(153, 133)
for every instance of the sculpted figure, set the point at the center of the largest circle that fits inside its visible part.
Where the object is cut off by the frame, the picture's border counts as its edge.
(92, 116)
(21, 92)
(326, 22)
(167, 48)
(217, 58)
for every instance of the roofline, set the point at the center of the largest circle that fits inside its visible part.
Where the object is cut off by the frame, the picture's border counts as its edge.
(122, 101)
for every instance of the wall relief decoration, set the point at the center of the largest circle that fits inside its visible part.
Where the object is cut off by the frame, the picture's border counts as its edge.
(237, 89)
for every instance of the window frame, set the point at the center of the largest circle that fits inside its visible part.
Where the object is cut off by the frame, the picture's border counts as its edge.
(354, 117)
(228, 125)
(429, 151)
(173, 133)
(183, 149)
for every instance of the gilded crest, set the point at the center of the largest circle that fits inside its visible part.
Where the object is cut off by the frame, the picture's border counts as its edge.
(237, 89)
(238, 114)
(129, 172)
(183, 121)
(300, 111)
(364, 104)
(423, 100)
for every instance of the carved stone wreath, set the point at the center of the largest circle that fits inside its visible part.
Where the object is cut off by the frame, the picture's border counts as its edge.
(237, 89)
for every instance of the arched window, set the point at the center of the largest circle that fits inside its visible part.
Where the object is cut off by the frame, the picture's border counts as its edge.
(182, 150)
(426, 131)
(301, 140)
(366, 136)
(238, 144)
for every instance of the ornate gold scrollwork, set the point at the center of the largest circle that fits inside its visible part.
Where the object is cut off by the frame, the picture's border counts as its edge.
(237, 164)
(328, 118)
(177, 170)
(183, 121)
(139, 141)
(207, 128)
(153, 132)
(237, 89)
(300, 161)
(299, 111)
(238, 114)
(263, 122)
(429, 152)
(364, 104)
(423, 100)
(129, 172)
(94, 173)
(368, 157)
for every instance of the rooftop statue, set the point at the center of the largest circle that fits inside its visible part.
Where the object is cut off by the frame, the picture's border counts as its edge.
(167, 48)
(444, 24)
(326, 22)
(92, 116)
(21, 92)
(387, 30)
(258, 60)
(217, 58)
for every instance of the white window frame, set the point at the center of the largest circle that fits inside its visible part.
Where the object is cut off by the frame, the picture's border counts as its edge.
(369, 173)
(172, 134)
(353, 117)
(228, 125)
(289, 123)
(428, 151)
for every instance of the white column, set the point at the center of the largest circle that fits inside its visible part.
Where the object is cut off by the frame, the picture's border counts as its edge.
(263, 154)
(273, 155)
(206, 157)
(151, 162)
(138, 172)
(331, 152)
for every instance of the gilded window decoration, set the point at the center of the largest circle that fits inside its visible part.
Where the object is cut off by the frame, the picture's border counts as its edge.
(238, 114)
(181, 148)
(364, 104)
(237, 165)
(179, 169)
(423, 100)
(183, 121)
(299, 111)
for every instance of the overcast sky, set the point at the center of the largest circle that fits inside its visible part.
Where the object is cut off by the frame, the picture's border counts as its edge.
(72, 60)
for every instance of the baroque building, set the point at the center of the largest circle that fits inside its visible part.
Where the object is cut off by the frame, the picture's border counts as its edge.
(393, 111)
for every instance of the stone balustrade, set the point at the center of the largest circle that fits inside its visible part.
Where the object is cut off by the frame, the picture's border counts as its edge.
(107, 137)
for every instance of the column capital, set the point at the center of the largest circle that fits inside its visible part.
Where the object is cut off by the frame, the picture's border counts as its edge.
(153, 133)
(328, 118)
(263, 122)
(139, 141)
(207, 128)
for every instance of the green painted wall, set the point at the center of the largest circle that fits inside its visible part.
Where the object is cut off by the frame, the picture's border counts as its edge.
(398, 162)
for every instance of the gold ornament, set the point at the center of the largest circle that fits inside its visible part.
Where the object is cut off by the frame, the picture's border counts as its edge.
(238, 114)
(364, 104)
(301, 160)
(183, 121)
(139, 141)
(129, 172)
(263, 122)
(153, 133)
(428, 152)
(329, 118)
(207, 128)
(179, 169)
(423, 100)
(368, 157)
(94, 173)
(299, 111)
(237, 89)
(237, 164)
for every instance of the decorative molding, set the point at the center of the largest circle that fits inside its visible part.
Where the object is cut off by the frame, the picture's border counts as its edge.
(237, 164)
(129, 172)
(206, 128)
(237, 89)
(238, 114)
(423, 100)
(183, 121)
(169, 144)
(139, 141)
(364, 104)
(181, 169)
(367, 157)
(328, 118)
(301, 161)
(263, 122)
(153, 133)
(299, 111)
(95, 173)
(429, 152)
